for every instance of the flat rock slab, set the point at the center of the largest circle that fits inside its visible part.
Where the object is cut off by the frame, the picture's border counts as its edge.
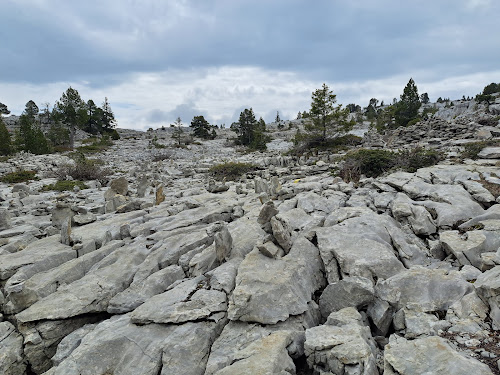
(429, 355)
(11, 350)
(423, 289)
(91, 293)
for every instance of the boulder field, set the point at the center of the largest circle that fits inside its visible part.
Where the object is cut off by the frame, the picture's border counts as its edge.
(289, 270)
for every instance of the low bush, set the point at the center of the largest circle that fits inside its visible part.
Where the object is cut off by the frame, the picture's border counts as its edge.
(84, 170)
(372, 163)
(231, 170)
(471, 150)
(19, 176)
(93, 145)
(64, 185)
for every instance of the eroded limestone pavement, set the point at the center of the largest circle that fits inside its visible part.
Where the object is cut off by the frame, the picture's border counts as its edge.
(288, 271)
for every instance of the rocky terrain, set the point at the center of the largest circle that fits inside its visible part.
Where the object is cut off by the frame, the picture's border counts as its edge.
(289, 270)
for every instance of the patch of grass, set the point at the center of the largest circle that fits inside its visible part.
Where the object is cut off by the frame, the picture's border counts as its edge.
(19, 176)
(64, 186)
(93, 144)
(471, 150)
(336, 144)
(4, 158)
(231, 171)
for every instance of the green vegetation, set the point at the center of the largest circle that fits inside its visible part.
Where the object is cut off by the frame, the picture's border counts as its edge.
(96, 145)
(471, 150)
(373, 163)
(202, 129)
(250, 131)
(30, 137)
(231, 171)
(325, 120)
(83, 170)
(406, 109)
(64, 185)
(19, 176)
(5, 142)
(487, 94)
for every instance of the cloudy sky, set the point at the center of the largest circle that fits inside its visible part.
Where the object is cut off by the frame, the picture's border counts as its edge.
(157, 60)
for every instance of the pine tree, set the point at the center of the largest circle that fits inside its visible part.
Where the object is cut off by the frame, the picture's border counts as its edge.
(326, 119)
(3, 109)
(201, 127)
(178, 132)
(108, 121)
(5, 142)
(407, 107)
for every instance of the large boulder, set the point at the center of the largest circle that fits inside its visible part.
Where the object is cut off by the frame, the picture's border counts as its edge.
(12, 360)
(342, 346)
(488, 288)
(270, 290)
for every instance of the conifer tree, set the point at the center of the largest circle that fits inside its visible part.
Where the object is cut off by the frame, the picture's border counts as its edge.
(201, 127)
(407, 107)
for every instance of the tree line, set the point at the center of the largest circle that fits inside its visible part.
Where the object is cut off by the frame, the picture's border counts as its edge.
(68, 114)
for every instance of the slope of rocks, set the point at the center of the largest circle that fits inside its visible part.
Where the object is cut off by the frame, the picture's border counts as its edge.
(288, 271)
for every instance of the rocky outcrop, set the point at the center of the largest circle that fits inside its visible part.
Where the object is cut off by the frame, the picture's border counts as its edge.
(288, 270)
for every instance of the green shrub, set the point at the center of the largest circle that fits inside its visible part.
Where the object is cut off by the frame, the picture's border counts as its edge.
(64, 186)
(84, 170)
(471, 150)
(231, 170)
(19, 176)
(96, 144)
(373, 163)
(414, 121)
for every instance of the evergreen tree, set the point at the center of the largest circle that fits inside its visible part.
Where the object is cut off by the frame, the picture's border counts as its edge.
(31, 109)
(299, 116)
(424, 98)
(250, 131)
(326, 119)
(178, 132)
(407, 107)
(30, 137)
(70, 110)
(3, 109)
(5, 142)
(201, 127)
(108, 121)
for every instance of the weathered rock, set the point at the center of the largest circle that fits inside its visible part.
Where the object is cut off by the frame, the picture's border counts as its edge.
(342, 346)
(141, 290)
(489, 153)
(429, 355)
(469, 246)
(423, 289)
(119, 186)
(488, 288)
(117, 346)
(12, 360)
(5, 222)
(159, 195)
(270, 290)
(282, 233)
(66, 232)
(91, 293)
(352, 291)
(270, 250)
(223, 244)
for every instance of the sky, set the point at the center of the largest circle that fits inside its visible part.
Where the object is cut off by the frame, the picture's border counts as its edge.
(158, 60)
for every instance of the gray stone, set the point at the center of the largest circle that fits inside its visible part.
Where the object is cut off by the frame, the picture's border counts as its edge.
(270, 290)
(428, 355)
(266, 213)
(352, 291)
(423, 289)
(5, 222)
(141, 290)
(66, 232)
(270, 250)
(223, 244)
(282, 233)
(188, 301)
(344, 348)
(489, 153)
(488, 288)
(24, 291)
(91, 293)
(12, 360)
(119, 186)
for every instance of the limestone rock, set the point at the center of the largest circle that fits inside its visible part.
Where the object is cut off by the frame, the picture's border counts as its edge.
(428, 355)
(270, 290)
(341, 346)
(12, 361)
(488, 288)
(119, 186)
